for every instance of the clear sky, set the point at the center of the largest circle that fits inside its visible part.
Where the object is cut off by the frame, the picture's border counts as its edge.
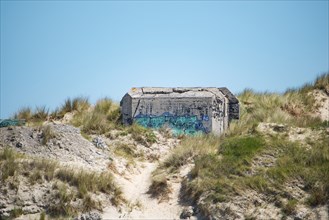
(53, 50)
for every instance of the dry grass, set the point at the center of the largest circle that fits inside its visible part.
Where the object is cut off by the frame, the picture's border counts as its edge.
(47, 134)
(322, 82)
(85, 181)
(8, 163)
(127, 151)
(189, 149)
(160, 187)
(222, 175)
(24, 113)
(62, 201)
(222, 166)
(141, 135)
(292, 108)
(40, 114)
(90, 204)
(78, 104)
(69, 185)
(104, 116)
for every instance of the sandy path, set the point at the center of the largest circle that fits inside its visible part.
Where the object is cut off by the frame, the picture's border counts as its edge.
(141, 206)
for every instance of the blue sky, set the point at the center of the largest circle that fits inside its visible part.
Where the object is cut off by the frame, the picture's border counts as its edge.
(53, 50)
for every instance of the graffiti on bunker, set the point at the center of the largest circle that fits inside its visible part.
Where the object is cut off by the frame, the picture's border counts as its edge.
(184, 110)
(186, 124)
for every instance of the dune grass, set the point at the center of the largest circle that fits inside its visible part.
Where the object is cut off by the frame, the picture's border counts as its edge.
(187, 152)
(69, 184)
(47, 134)
(217, 171)
(103, 117)
(292, 108)
(100, 119)
(220, 176)
(39, 115)
(223, 166)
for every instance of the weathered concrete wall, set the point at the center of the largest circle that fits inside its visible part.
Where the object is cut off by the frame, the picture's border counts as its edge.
(182, 115)
(184, 110)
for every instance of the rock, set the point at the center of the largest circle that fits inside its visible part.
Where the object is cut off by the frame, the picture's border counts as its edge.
(3, 204)
(257, 202)
(31, 209)
(19, 144)
(89, 216)
(12, 138)
(187, 212)
(99, 142)
(4, 214)
(279, 128)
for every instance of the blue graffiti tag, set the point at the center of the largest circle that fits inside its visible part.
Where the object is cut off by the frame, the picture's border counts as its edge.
(187, 124)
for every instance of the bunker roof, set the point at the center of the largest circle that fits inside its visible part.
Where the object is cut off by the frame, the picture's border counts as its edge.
(205, 92)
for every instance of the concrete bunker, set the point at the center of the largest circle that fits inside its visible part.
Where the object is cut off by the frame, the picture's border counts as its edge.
(183, 110)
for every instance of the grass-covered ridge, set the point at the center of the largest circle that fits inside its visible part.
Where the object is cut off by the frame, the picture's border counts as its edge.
(294, 107)
(246, 159)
